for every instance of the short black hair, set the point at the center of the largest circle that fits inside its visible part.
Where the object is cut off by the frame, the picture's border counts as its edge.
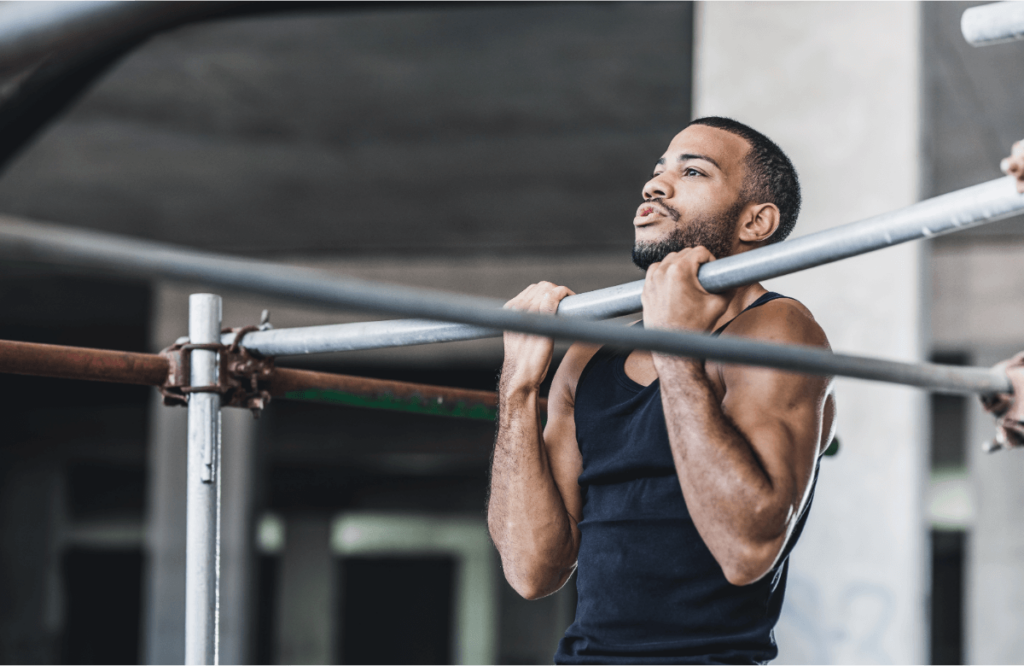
(771, 177)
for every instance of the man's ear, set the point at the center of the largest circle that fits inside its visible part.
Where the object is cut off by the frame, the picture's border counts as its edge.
(760, 221)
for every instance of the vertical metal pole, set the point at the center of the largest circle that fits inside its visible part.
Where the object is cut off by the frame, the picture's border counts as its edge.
(202, 541)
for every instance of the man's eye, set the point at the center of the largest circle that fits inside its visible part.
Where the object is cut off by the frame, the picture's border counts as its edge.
(690, 171)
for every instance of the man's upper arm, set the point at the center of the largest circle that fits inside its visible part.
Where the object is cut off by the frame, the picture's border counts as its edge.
(560, 432)
(780, 413)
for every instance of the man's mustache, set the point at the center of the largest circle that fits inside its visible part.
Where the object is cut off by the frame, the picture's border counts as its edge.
(669, 210)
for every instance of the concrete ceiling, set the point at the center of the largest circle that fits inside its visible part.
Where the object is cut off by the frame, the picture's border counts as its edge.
(525, 128)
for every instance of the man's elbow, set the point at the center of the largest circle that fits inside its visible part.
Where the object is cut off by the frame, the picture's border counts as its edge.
(751, 564)
(537, 584)
(528, 589)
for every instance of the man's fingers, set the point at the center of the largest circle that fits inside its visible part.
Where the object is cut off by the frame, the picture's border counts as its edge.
(539, 297)
(1018, 148)
(552, 298)
(702, 255)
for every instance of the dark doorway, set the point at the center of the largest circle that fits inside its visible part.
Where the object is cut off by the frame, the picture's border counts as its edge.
(268, 572)
(947, 603)
(103, 600)
(397, 610)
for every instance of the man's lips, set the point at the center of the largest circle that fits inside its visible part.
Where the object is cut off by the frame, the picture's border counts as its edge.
(648, 210)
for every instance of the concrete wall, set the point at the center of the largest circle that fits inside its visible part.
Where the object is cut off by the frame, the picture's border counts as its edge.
(836, 85)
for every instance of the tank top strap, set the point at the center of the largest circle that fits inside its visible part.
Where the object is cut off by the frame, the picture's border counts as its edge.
(766, 297)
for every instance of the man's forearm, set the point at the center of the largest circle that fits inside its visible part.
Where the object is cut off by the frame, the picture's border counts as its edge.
(729, 494)
(525, 513)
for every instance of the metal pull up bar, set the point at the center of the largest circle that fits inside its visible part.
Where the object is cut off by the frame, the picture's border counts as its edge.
(963, 209)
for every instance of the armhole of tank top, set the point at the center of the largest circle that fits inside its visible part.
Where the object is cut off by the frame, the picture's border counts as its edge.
(756, 304)
(586, 369)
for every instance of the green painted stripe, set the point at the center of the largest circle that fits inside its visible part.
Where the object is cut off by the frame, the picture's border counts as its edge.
(414, 405)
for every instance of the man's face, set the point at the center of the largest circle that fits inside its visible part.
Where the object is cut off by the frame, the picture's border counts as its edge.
(693, 198)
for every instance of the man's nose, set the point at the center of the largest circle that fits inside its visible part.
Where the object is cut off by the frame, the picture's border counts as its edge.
(657, 188)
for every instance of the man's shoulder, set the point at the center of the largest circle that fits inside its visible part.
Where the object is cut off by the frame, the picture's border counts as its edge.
(574, 362)
(782, 320)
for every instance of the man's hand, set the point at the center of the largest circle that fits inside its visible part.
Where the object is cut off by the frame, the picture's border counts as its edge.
(528, 357)
(673, 297)
(1014, 164)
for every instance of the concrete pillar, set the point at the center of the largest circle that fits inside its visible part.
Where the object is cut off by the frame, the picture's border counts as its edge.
(836, 85)
(994, 581)
(305, 596)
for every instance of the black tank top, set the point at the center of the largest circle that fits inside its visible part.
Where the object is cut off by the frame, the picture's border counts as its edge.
(650, 591)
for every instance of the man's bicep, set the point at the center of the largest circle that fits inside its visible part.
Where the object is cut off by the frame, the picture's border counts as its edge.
(780, 413)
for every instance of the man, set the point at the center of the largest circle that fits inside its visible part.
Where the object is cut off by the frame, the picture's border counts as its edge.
(678, 486)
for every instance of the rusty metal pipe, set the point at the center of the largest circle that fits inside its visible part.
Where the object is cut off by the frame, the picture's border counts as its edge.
(337, 389)
(101, 365)
(104, 365)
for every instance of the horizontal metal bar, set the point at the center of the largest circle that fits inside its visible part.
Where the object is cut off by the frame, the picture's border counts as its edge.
(103, 365)
(993, 23)
(364, 392)
(963, 209)
(62, 362)
(600, 304)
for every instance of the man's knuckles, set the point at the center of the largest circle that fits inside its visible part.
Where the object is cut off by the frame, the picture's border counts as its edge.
(538, 297)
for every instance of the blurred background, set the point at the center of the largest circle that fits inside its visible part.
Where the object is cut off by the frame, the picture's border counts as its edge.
(479, 148)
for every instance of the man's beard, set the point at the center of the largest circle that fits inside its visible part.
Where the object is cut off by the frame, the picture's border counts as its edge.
(714, 233)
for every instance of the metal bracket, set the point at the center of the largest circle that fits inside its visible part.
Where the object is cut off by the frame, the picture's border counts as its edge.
(241, 377)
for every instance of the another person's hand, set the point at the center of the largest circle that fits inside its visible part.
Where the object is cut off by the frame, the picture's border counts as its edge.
(1014, 164)
(1008, 408)
(673, 296)
(528, 357)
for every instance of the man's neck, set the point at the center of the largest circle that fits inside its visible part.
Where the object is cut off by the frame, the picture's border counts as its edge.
(741, 300)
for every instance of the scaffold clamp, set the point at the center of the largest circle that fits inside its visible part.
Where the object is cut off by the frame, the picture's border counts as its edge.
(241, 380)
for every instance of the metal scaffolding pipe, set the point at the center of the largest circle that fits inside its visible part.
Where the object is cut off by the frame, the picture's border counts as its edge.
(994, 23)
(104, 365)
(330, 388)
(606, 303)
(28, 358)
(969, 207)
(202, 527)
